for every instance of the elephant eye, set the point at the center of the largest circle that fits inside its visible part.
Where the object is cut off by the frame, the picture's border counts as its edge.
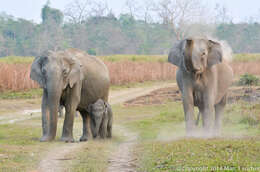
(65, 72)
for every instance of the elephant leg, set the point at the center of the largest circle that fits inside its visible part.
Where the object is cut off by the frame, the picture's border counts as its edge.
(109, 130)
(45, 117)
(61, 111)
(110, 123)
(67, 134)
(219, 109)
(103, 128)
(85, 117)
(207, 115)
(188, 106)
(71, 104)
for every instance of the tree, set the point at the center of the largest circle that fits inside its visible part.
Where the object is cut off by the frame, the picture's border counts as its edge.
(147, 9)
(51, 33)
(179, 14)
(222, 14)
(51, 15)
(78, 11)
(132, 7)
(99, 9)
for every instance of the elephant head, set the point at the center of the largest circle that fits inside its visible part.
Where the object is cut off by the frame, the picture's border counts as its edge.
(98, 112)
(55, 72)
(195, 55)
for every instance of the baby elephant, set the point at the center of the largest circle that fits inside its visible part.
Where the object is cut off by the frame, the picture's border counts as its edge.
(101, 119)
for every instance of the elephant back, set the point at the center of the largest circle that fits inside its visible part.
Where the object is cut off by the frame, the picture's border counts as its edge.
(96, 80)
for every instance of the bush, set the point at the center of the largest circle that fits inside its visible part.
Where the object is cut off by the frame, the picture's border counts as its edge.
(248, 79)
(92, 51)
(250, 120)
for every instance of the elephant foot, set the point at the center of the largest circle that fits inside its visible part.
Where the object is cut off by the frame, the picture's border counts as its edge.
(67, 139)
(83, 139)
(46, 138)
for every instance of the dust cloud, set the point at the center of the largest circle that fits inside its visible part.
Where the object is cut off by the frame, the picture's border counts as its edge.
(226, 49)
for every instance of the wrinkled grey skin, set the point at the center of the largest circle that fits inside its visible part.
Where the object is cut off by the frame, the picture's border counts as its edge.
(101, 119)
(73, 79)
(203, 78)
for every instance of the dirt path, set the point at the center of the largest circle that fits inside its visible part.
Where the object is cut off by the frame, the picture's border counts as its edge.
(56, 160)
(122, 160)
(131, 93)
(12, 111)
(15, 110)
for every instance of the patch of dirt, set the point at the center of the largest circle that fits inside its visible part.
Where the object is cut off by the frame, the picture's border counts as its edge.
(55, 159)
(123, 160)
(248, 94)
(8, 105)
(163, 95)
(156, 97)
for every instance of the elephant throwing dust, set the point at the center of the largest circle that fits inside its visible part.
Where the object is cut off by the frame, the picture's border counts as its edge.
(203, 77)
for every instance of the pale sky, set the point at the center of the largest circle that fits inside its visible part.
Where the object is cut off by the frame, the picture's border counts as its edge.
(240, 10)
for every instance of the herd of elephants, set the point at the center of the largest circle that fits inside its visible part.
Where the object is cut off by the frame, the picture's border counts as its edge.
(80, 82)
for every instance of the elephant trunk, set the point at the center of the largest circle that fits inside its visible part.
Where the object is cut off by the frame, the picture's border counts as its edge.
(53, 105)
(95, 126)
(45, 114)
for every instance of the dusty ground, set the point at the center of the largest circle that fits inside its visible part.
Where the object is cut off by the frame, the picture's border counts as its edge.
(162, 95)
(56, 158)
(52, 161)
(123, 160)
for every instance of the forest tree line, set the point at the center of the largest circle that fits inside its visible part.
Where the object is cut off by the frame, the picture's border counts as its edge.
(149, 29)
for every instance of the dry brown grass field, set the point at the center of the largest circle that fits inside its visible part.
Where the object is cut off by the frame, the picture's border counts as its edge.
(15, 75)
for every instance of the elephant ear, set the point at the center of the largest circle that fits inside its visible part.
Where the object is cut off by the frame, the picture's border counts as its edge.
(176, 53)
(36, 71)
(72, 71)
(215, 54)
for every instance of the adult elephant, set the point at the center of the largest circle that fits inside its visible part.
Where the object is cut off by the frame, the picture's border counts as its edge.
(73, 79)
(203, 76)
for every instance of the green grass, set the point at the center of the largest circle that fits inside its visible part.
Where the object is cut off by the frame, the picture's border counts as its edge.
(14, 135)
(16, 59)
(135, 58)
(157, 117)
(243, 57)
(197, 153)
(34, 93)
(94, 156)
(161, 144)
(163, 147)
(37, 93)
(140, 84)
(19, 146)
